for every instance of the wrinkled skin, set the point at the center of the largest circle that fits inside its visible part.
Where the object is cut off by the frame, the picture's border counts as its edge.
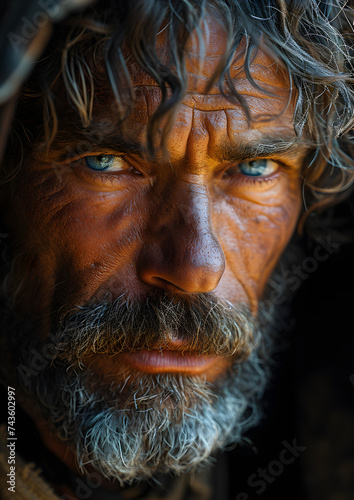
(192, 224)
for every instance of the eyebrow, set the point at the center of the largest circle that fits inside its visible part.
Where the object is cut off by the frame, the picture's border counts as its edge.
(266, 147)
(113, 143)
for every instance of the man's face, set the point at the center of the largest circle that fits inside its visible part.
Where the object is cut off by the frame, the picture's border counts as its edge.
(112, 224)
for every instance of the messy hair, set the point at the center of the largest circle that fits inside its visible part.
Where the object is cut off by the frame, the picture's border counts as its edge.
(313, 38)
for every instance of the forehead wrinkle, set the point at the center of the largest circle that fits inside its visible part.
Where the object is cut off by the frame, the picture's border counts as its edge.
(215, 99)
(220, 102)
(266, 76)
(198, 139)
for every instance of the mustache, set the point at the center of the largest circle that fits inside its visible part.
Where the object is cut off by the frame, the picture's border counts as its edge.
(206, 325)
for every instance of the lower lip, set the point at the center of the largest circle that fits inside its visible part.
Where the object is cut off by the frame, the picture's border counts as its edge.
(166, 361)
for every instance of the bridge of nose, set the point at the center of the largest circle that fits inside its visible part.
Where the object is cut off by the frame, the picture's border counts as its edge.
(181, 249)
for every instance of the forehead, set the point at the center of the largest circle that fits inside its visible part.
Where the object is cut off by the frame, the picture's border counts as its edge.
(268, 95)
(206, 49)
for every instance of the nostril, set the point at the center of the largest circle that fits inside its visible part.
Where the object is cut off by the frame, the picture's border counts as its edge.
(163, 283)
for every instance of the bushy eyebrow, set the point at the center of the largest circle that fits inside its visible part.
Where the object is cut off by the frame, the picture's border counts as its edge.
(264, 148)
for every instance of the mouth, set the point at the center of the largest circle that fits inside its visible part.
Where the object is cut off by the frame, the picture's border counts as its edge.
(169, 361)
(174, 357)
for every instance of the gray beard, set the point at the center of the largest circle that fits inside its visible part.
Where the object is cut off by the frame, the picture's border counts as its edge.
(168, 423)
(145, 424)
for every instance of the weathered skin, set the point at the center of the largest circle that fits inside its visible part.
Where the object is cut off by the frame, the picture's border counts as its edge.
(192, 224)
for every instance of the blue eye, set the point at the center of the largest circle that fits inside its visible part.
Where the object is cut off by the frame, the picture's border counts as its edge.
(104, 162)
(257, 168)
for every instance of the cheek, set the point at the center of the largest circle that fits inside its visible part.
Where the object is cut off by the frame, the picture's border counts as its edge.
(101, 239)
(74, 237)
(253, 237)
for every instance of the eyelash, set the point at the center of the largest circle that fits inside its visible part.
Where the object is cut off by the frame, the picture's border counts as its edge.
(245, 180)
(106, 175)
(265, 181)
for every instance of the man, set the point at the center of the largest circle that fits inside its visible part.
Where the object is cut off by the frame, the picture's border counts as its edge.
(156, 170)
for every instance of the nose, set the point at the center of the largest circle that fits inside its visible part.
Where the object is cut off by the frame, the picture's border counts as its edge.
(181, 251)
